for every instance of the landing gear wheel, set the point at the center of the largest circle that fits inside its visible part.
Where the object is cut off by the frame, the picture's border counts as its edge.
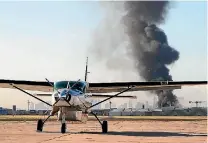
(105, 127)
(40, 125)
(63, 128)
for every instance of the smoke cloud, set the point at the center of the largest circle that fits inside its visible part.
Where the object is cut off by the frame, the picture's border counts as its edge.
(149, 44)
(109, 39)
(134, 29)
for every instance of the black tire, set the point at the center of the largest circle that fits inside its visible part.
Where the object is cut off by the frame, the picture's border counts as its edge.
(63, 128)
(40, 125)
(105, 127)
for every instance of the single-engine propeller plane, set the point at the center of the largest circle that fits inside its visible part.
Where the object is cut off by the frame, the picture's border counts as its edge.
(69, 98)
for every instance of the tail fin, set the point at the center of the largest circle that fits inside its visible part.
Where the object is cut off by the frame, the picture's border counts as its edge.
(86, 71)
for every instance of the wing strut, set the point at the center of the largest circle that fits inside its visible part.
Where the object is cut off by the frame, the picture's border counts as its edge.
(30, 94)
(130, 87)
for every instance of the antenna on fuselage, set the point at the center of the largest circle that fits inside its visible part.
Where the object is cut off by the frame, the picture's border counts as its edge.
(86, 69)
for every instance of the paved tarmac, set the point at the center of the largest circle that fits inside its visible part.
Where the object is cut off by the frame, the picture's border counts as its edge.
(119, 132)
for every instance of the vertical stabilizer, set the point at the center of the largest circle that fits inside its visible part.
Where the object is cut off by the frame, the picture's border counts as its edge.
(86, 71)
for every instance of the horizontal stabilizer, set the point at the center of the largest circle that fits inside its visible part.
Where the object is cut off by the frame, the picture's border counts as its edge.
(104, 96)
(43, 94)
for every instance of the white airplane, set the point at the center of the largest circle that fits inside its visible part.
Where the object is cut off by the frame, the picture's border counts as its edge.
(69, 98)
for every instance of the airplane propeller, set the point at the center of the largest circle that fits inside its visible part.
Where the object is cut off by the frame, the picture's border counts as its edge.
(68, 97)
(52, 85)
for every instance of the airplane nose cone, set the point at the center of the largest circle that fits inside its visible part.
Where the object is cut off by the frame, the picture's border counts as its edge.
(65, 95)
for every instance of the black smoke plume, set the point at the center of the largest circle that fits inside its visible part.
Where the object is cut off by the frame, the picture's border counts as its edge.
(128, 37)
(149, 44)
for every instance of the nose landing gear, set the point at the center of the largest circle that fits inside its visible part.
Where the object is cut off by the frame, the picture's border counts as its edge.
(63, 125)
(63, 128)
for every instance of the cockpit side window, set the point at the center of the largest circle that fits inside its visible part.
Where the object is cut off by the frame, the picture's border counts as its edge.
(60, 85)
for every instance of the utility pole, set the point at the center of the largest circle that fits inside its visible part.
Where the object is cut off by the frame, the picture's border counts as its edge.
(28, 104)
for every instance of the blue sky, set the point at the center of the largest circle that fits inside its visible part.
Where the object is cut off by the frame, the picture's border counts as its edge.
(33, 17)
(43, 28)
(38, 37)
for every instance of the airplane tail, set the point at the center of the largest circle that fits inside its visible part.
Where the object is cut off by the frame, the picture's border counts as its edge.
(86, 71)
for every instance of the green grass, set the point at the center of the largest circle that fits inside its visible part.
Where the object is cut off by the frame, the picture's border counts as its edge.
(91, 118)
(162, 118)
(23, 117)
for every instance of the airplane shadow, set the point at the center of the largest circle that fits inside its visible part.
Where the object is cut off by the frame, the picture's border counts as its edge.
(147, 134)
(131, 133)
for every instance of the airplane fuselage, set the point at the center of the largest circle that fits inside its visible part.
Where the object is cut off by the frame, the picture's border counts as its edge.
(70, 97)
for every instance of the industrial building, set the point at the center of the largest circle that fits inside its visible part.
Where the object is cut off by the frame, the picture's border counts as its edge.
(194, 111)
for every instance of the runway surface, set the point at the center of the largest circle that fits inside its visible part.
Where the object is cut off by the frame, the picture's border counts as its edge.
(119, 132)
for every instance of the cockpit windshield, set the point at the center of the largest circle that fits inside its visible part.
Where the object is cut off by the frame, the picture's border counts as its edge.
(63, 84)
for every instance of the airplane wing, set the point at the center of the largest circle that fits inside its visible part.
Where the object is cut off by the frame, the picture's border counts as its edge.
(154, 85)
(104, 87)
(141, 86)
(27, 85)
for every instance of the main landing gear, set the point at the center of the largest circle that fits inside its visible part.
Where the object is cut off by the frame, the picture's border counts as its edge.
(40, 124)
(104, 125)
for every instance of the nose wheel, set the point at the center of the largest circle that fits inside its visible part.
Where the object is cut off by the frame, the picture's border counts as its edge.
(63, 128)
(63, 122)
